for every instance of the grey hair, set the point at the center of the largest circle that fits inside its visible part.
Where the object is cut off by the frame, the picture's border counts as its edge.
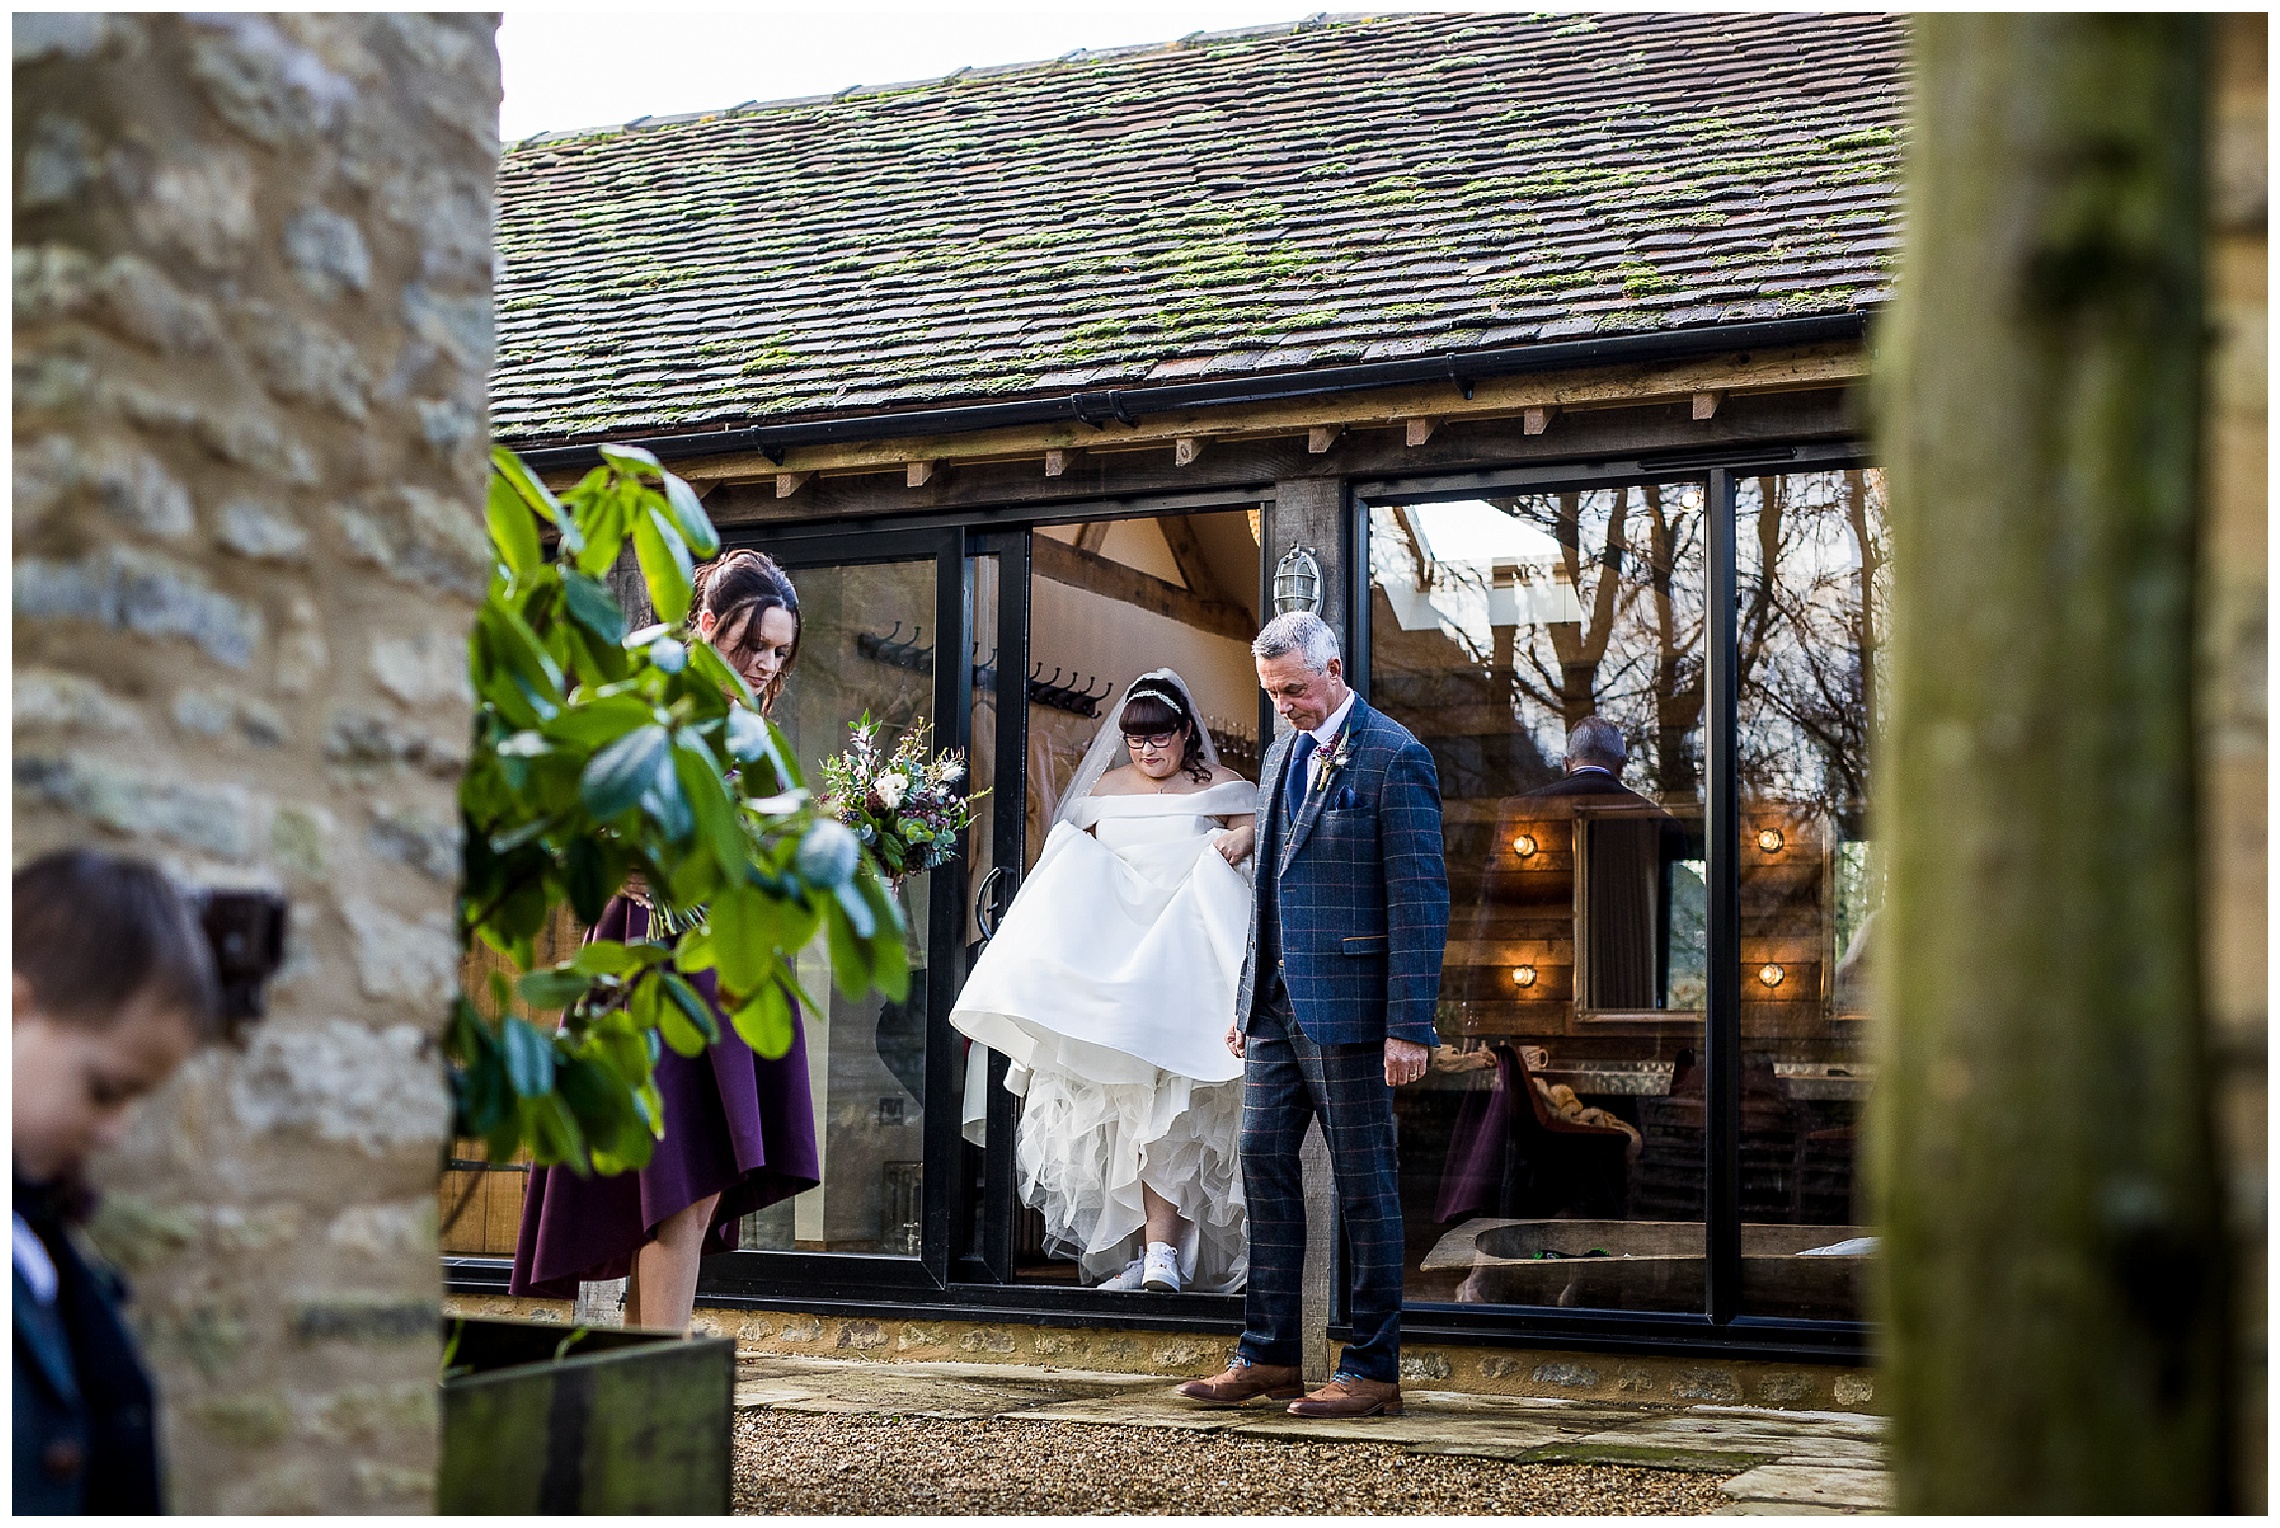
(1596, 740)
(1302, 632)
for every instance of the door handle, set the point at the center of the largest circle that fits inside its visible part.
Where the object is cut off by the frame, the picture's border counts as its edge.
(985, 907)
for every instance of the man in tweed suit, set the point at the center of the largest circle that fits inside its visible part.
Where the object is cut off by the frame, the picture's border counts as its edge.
(1349, 916)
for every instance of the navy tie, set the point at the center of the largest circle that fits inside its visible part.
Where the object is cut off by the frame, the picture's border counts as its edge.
(1294, 779)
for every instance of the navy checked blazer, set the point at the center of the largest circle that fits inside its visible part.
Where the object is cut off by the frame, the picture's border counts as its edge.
(1363, 890)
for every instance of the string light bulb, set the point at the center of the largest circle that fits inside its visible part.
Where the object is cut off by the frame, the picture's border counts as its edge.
(1525, 846)
(1770, 975)
(1771, 841)
(1523, 976)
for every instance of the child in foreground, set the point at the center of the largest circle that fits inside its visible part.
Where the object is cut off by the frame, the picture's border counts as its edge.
(113, 985)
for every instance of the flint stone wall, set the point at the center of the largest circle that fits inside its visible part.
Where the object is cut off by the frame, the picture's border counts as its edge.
(253, 280)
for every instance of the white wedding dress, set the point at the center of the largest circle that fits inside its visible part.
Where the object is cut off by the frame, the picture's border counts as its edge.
(1109, 987)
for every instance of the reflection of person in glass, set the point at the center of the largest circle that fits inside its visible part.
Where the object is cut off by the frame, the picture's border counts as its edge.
(1109, 986)
(739, 1130)
(1596, 754)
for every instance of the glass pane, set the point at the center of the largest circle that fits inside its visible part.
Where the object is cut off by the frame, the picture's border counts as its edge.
(1553, 1154)
(1812, 592)
(866, 645)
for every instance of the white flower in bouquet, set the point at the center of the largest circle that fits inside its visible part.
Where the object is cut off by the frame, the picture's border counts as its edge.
(950, 769)
(891, 789)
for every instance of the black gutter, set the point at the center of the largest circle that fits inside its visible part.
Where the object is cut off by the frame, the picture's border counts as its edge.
(1126, 405)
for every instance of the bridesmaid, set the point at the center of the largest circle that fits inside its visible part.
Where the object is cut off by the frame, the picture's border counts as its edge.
(739, 1130)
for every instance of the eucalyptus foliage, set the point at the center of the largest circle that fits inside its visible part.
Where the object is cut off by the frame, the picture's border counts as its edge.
(600, 753)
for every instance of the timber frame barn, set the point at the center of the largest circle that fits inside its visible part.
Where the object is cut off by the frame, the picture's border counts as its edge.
(1544, 337)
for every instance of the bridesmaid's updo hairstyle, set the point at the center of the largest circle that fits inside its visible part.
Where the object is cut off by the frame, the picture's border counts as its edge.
(1153, 708)
(739, 587)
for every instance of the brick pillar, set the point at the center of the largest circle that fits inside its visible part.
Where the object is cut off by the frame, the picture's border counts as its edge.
(253, 328)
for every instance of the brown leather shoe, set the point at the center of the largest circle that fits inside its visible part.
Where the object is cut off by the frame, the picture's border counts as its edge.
(1348, 1397)
(1244, 1383)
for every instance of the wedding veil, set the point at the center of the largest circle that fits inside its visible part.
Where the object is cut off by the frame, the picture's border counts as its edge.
(1108, 744)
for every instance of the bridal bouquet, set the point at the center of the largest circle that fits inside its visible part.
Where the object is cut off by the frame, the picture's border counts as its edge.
(906, 806)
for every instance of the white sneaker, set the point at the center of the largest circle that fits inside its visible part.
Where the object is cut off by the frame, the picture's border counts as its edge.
(1128, 1280)
(1162, 1275)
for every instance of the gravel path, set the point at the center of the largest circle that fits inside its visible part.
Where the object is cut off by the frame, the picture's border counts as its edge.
(798, 1463)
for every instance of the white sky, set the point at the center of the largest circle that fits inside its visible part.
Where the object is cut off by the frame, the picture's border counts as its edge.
(572, 69)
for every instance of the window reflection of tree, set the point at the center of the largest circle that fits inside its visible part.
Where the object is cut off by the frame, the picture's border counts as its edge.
(1634, 559)
(1810, 636)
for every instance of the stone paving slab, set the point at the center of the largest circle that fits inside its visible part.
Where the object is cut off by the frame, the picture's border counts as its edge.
(1163, 1409)
(1859, 1424)
(1813, 1486)
(1637, 1456)
(1777, 1509)
(1448, 1433)
(954, 1391)
(1778, 1439)
(773, 1364)
(1799, 1449)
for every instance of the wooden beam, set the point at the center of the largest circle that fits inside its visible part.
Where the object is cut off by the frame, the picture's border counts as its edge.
(1808, 368)
(1092, 535)
(1706, 405)
(1234, 468)
(1322, 437)
(1080, 569)
(1420, 431)
(788, 483)
(1185, 449)
(1536, 421)
(1195, 563)
(1056, 463)
(917, 474)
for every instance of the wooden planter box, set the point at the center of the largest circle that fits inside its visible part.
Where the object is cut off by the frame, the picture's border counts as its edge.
(553, 1419)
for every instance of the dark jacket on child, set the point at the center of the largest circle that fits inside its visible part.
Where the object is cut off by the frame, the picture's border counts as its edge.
(85, 1434)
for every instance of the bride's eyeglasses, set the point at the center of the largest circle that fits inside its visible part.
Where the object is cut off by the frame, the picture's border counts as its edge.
(1137, 740)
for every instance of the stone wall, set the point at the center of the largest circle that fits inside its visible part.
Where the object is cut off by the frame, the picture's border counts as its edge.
(253, 278)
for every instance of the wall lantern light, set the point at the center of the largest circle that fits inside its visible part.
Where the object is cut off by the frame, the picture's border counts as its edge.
(1770, 974)
(1771, 840)
(1523, 976)
(1525, 846)
(1298, 582)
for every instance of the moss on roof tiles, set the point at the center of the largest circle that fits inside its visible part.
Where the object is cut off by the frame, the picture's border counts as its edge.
(1382, 186)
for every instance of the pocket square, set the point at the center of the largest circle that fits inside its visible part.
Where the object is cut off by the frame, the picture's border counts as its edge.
(1344, 800)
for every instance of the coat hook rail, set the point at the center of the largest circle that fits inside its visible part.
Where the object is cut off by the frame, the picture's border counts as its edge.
(906, 653)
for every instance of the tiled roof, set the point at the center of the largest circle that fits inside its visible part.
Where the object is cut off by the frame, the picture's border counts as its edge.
(1249, 202)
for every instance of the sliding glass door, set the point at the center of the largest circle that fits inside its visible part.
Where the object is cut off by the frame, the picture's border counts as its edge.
(889, 625)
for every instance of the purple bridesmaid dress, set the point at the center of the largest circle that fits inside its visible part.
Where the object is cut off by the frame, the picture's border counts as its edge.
(735, 1125)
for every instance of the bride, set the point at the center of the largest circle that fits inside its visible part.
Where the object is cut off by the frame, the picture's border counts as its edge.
(1109, 987)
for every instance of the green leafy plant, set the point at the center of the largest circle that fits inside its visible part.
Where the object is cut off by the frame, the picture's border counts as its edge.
(600, 753)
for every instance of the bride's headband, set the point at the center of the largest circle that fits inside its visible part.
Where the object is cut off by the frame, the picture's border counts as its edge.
(1153, 691)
